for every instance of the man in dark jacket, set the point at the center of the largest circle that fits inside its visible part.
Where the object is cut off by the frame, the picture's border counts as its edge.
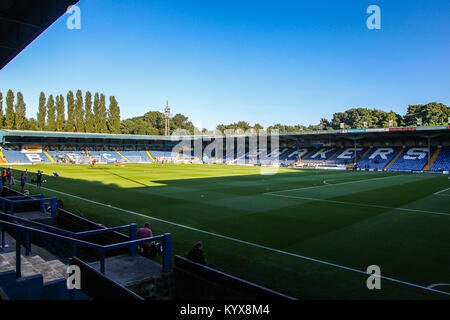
(196, 255)
(39, 179)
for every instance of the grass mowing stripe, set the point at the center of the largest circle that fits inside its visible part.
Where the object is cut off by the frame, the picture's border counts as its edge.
(335, 184)
(357, 204)
(250, 243)
(275, 193)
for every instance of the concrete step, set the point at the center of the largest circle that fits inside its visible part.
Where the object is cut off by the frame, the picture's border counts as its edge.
(32, 265)
(4, 264)
(58, 267)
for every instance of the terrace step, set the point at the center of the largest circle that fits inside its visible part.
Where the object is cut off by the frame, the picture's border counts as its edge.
(360, 158)
(32, 265)
(395, 158)
(432, 159)
(150, 155)
(2, 157)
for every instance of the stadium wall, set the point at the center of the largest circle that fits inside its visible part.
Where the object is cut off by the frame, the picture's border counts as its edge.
(198, 282)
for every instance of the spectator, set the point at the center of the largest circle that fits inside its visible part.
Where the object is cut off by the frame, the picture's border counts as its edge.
(196, 255)
(39, 179)
(9, 175)
(149, 249)
(23, 180)
(3, 177)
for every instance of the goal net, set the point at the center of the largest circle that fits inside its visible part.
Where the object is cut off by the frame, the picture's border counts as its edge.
(133, 159)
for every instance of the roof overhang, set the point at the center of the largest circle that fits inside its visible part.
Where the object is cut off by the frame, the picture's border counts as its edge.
(350, 134)
(22, 21)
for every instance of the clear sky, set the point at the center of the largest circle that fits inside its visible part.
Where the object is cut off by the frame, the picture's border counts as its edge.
(220, 61)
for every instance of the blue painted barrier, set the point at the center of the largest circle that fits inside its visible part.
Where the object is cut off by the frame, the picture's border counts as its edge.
(72, 238)
(28, 199)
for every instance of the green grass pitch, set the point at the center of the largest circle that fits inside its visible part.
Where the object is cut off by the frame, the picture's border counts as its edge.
(307, 233)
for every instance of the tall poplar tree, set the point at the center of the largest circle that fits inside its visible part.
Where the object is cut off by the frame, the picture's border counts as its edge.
(97, 112)
(103, 114)
(113, 116)
(79, 112)
(60, 113)
(20, 112)
(51, 114)
(70, 125)
(10, 116)
(88, 115)
(42, 112)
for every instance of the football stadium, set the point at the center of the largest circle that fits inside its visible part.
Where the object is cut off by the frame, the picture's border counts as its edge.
(311, 214)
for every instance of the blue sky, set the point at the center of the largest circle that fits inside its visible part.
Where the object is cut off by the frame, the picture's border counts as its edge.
(218, 61)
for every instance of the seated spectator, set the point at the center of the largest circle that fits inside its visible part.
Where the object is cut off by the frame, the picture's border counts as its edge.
(149, 249)
(196, 255)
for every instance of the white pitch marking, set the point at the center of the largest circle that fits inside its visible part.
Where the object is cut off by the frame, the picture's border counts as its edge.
(338, 184)
(439, 193)
(356, 204)
(252, 244)
(275, 194)
(431, 286)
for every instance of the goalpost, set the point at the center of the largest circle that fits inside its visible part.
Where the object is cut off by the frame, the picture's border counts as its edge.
(132, 159)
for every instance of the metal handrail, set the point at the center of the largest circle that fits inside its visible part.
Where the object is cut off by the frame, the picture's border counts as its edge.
(19, 229)
(9, 217)
(23, 199)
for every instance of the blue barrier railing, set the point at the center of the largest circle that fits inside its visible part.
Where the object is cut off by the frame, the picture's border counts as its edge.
(67, 237)
(46, 227)
(41, 199)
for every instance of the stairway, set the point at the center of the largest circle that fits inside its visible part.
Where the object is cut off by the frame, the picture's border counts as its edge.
(432, 159)
(49, 157)
(395, 158)
(34, 264)
(150, 155)
(126, 159)
(2, 157)
(359, 159)
(41, 280)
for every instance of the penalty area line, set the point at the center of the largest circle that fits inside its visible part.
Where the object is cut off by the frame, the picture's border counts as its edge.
(251, 243)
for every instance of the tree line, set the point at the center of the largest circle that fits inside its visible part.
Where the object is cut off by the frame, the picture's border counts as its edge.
(431, 114)
(85, 113)
(152, 123)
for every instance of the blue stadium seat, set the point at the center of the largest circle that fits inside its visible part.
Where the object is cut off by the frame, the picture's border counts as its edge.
(347, 155)
(442, 162)
(378, 157)
(412, 159)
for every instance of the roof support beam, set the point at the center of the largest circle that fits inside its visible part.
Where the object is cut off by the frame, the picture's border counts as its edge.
(23, 23)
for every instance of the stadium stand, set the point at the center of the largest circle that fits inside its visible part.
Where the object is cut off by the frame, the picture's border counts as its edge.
(442, 161)
(378, 158)
(393, 149)
(321, 154)
(347, 155)
(411, 159)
